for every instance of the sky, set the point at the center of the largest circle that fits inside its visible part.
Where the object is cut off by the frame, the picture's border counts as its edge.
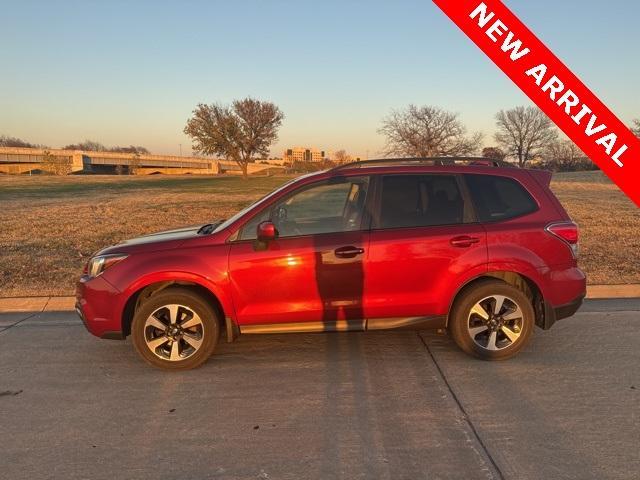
(131, 72)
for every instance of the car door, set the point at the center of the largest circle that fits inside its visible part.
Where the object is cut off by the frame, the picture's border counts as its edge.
(313, 271)
(424, 238)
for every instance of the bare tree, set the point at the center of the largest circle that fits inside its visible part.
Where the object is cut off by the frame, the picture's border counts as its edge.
(341, 156)
(494, 153)
(135, 149)
(6, 141)
(93, 146)
(524, 132)
(427, 131)
(87, 146)
(565, 156)
(240, 132)
(636, 127)
(134, 165)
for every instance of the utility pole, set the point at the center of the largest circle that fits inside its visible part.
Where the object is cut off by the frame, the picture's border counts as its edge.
(180, 145)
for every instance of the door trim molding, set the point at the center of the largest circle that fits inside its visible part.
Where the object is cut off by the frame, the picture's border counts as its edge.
(407, 323)
(396, 323)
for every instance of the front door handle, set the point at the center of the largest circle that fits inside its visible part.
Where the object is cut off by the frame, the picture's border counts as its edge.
(348, 252)
(464, 241)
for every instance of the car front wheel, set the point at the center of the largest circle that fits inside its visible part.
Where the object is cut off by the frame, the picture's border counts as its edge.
(492, 320)
(176, 329)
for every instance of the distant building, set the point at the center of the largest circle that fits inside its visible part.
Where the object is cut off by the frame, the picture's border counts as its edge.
(302, 154)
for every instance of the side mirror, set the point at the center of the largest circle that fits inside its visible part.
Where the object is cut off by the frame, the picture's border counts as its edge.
(267, 231)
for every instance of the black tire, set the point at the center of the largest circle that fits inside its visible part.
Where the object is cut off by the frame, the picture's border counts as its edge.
(464, 323)
(188, 308)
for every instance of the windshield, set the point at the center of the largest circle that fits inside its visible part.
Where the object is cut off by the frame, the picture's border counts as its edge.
(238, 215)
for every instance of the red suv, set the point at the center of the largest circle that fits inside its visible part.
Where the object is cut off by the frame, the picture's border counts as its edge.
(471, 245)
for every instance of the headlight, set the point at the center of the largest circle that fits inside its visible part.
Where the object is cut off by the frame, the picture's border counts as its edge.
(99, 264)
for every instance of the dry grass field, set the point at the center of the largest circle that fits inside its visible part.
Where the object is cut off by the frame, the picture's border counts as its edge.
(609, 226)
(51, 225)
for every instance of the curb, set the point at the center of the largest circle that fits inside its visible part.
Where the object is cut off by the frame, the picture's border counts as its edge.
(37, 304)
(65, 304)
(613, 291)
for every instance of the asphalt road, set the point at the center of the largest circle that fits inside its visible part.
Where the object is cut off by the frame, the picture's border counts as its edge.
(388, 405)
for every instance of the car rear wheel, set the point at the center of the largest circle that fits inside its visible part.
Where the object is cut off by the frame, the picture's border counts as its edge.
(175, 329)
(492, 320)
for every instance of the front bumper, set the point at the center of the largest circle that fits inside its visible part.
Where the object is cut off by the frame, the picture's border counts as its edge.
(97, 304)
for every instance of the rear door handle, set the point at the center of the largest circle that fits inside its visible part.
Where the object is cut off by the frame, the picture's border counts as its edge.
(348, 252)
(464, 241)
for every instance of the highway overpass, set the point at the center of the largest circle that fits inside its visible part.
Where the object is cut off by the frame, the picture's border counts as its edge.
(25, 160)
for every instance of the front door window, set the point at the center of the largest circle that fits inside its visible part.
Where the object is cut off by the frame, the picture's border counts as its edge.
(326, 208)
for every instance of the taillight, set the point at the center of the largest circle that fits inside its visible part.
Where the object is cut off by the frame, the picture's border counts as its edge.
(567, 232)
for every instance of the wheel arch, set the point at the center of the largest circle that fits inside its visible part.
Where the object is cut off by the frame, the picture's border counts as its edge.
(522, 282)
(146, 291)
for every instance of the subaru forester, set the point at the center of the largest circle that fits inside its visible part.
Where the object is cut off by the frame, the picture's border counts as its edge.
(471, 245)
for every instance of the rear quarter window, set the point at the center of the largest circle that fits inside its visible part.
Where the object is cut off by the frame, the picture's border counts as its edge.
(499, 198)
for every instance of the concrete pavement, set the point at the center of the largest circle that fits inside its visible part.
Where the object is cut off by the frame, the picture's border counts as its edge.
(376, 405)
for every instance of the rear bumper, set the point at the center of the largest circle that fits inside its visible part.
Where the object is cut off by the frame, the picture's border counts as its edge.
(563, 290)
(563, 285)
(553, 314)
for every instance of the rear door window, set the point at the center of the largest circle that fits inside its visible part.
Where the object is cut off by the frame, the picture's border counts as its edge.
(421, 201)
(499, 198)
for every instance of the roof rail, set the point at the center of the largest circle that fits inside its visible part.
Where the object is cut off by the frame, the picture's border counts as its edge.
(484, 161)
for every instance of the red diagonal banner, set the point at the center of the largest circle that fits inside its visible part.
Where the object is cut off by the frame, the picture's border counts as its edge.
(550, 84)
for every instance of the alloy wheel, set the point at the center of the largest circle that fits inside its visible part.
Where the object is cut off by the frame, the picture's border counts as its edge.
(173, 332)
(495, 322)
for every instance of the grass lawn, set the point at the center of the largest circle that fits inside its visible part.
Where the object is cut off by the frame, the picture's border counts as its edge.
(52, 225)
(609, 226)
